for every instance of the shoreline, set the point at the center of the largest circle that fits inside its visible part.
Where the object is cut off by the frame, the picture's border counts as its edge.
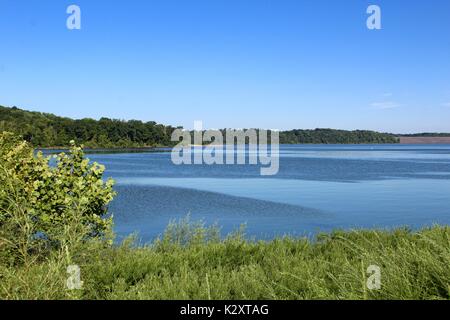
(406, 141)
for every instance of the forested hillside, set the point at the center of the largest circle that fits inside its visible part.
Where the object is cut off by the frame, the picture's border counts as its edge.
(332, 136)
(48, 130)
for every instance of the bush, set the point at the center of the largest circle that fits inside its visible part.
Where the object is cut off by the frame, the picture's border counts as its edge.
(41, 197)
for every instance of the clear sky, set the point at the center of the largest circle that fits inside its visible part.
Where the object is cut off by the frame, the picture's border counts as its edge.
(274, 64)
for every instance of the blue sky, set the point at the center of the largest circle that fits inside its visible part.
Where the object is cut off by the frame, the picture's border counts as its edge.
(232, 63)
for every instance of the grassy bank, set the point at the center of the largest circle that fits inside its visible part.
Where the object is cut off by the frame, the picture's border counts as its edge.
(55, 216)
(192, 262)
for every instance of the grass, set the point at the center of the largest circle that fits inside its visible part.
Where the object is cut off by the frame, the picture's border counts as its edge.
(191, 261)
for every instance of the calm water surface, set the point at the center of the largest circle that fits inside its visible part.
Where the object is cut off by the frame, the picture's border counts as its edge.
(318, 188)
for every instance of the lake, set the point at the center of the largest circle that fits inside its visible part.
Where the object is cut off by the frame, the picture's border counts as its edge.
(318, 188)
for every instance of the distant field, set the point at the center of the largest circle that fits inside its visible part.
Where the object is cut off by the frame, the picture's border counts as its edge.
(425, 140)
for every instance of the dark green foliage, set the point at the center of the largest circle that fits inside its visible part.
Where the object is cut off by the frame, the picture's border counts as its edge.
(47, 130)
(331, 136)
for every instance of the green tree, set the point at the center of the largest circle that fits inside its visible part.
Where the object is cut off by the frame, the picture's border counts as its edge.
(51, 194)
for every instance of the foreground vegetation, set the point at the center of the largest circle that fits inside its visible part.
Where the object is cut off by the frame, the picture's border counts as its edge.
(55, 216)
(47, 130)
(413, 266)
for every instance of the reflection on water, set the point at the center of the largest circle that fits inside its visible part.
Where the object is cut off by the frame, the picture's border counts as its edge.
(318, 188)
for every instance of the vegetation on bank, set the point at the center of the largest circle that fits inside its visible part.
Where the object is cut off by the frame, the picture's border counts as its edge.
(55, 216)
(332, 136)
(46, 130)
(426, 134)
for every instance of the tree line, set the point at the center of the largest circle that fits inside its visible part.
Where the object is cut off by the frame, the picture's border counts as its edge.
(333, 136)
(47, 130)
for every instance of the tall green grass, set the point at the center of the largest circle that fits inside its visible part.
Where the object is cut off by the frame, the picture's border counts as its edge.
(191, 261)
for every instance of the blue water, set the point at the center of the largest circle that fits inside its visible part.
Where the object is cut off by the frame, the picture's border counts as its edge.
(318, 188)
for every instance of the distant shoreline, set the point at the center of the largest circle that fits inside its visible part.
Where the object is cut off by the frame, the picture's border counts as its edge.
(50, 132)
(424, 140)
(402, 141)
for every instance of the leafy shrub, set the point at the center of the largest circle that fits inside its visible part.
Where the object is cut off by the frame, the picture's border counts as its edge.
(49, 192)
